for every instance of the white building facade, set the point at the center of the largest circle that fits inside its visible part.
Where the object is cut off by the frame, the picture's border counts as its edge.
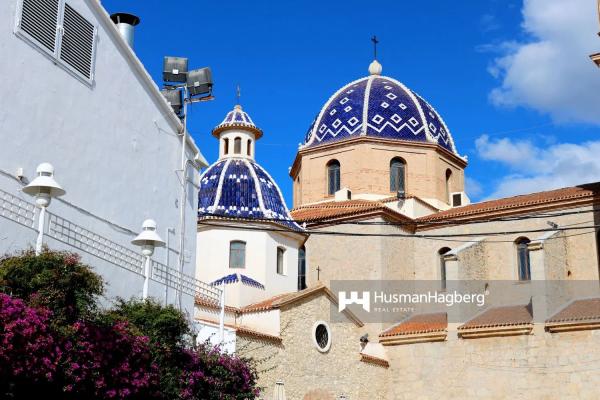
(247, 243)
(78, 97)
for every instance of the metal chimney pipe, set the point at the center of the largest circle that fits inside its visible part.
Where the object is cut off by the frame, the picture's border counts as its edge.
(125, 24)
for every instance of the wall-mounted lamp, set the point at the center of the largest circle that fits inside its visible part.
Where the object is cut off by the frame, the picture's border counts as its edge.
(43, 188)
(147, 240)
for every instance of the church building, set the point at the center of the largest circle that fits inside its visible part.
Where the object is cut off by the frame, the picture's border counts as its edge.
(379, 195)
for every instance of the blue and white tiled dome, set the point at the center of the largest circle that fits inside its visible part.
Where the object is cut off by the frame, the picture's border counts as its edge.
(378, 106)
(240, 188)
(236, 186)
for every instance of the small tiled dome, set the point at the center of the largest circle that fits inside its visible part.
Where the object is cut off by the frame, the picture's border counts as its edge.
(240, 188)
(237, 118)
(378, 106)
(237, 187)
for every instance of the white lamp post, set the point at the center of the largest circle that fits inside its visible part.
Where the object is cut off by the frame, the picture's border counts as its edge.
(148, 240)
(43, 188)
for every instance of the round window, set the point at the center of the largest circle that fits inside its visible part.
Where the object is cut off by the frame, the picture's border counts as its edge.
(322, 336)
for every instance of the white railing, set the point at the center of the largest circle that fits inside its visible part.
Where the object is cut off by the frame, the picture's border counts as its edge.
(17, 210)
(188, 284)
(76, 236)
(80, 238)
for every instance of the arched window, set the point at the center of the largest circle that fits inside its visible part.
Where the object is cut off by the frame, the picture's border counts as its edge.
(237, 254)
(397, 175)
(302, 268)
(333, 176)
(443, 275)
(226, 146)
(237, 145)
(249, 148)
(281, 261)
(448, 179)
(523, 263)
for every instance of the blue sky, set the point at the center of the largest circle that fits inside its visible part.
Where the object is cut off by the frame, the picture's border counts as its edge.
(512, 79)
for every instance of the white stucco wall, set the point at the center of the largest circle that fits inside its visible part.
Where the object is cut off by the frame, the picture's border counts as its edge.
(261, 261)
(208, 332)
(114, 145)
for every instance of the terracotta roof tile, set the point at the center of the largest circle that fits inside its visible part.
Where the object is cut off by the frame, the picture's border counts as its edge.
(339, 209)
(418, 323)
(264, 305)
(578, 311)
(208, 303)
(501, 316)
(242, 330)
(509, 203)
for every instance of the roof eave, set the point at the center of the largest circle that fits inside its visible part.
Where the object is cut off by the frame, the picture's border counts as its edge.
(570, 326)
(495, 331)
(410, 338)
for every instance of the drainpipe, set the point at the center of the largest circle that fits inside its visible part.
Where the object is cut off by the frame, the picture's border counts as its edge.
(167, 253)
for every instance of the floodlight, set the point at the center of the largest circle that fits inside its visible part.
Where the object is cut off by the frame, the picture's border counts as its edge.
(174, 98)
(175, 69)
(199, 82)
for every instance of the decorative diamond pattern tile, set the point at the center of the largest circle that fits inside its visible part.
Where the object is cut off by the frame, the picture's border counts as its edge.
(393, 112)
(378, 119)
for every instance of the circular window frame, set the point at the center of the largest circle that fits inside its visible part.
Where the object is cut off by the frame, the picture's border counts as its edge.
(314, 336)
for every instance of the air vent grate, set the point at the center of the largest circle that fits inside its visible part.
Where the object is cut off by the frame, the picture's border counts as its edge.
(77, 46)
(39, 19)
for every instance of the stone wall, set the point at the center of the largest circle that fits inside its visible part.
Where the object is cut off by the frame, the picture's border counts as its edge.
(304, 369)
(553, 366)
(546, 366)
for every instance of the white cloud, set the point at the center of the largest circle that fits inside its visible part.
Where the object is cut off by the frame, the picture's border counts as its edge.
(489, 23)
(532, 168)
(552, 72)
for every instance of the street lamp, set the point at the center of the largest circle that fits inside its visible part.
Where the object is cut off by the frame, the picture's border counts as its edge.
(148, 240)
(43, 188)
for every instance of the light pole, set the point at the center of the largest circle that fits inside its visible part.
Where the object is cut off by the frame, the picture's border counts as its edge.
(148, 240)
(183, 88)
(43, 188)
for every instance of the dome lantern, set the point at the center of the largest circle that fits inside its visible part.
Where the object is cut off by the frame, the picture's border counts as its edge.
(237, 134)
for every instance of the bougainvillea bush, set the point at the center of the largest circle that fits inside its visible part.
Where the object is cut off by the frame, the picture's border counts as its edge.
(28, 349)
(56, 343)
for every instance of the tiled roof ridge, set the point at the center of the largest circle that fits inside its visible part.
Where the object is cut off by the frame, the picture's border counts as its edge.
(518, 201)
(332, 210)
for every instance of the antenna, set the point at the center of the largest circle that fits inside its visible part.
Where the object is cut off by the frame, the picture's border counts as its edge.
(375, 42)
